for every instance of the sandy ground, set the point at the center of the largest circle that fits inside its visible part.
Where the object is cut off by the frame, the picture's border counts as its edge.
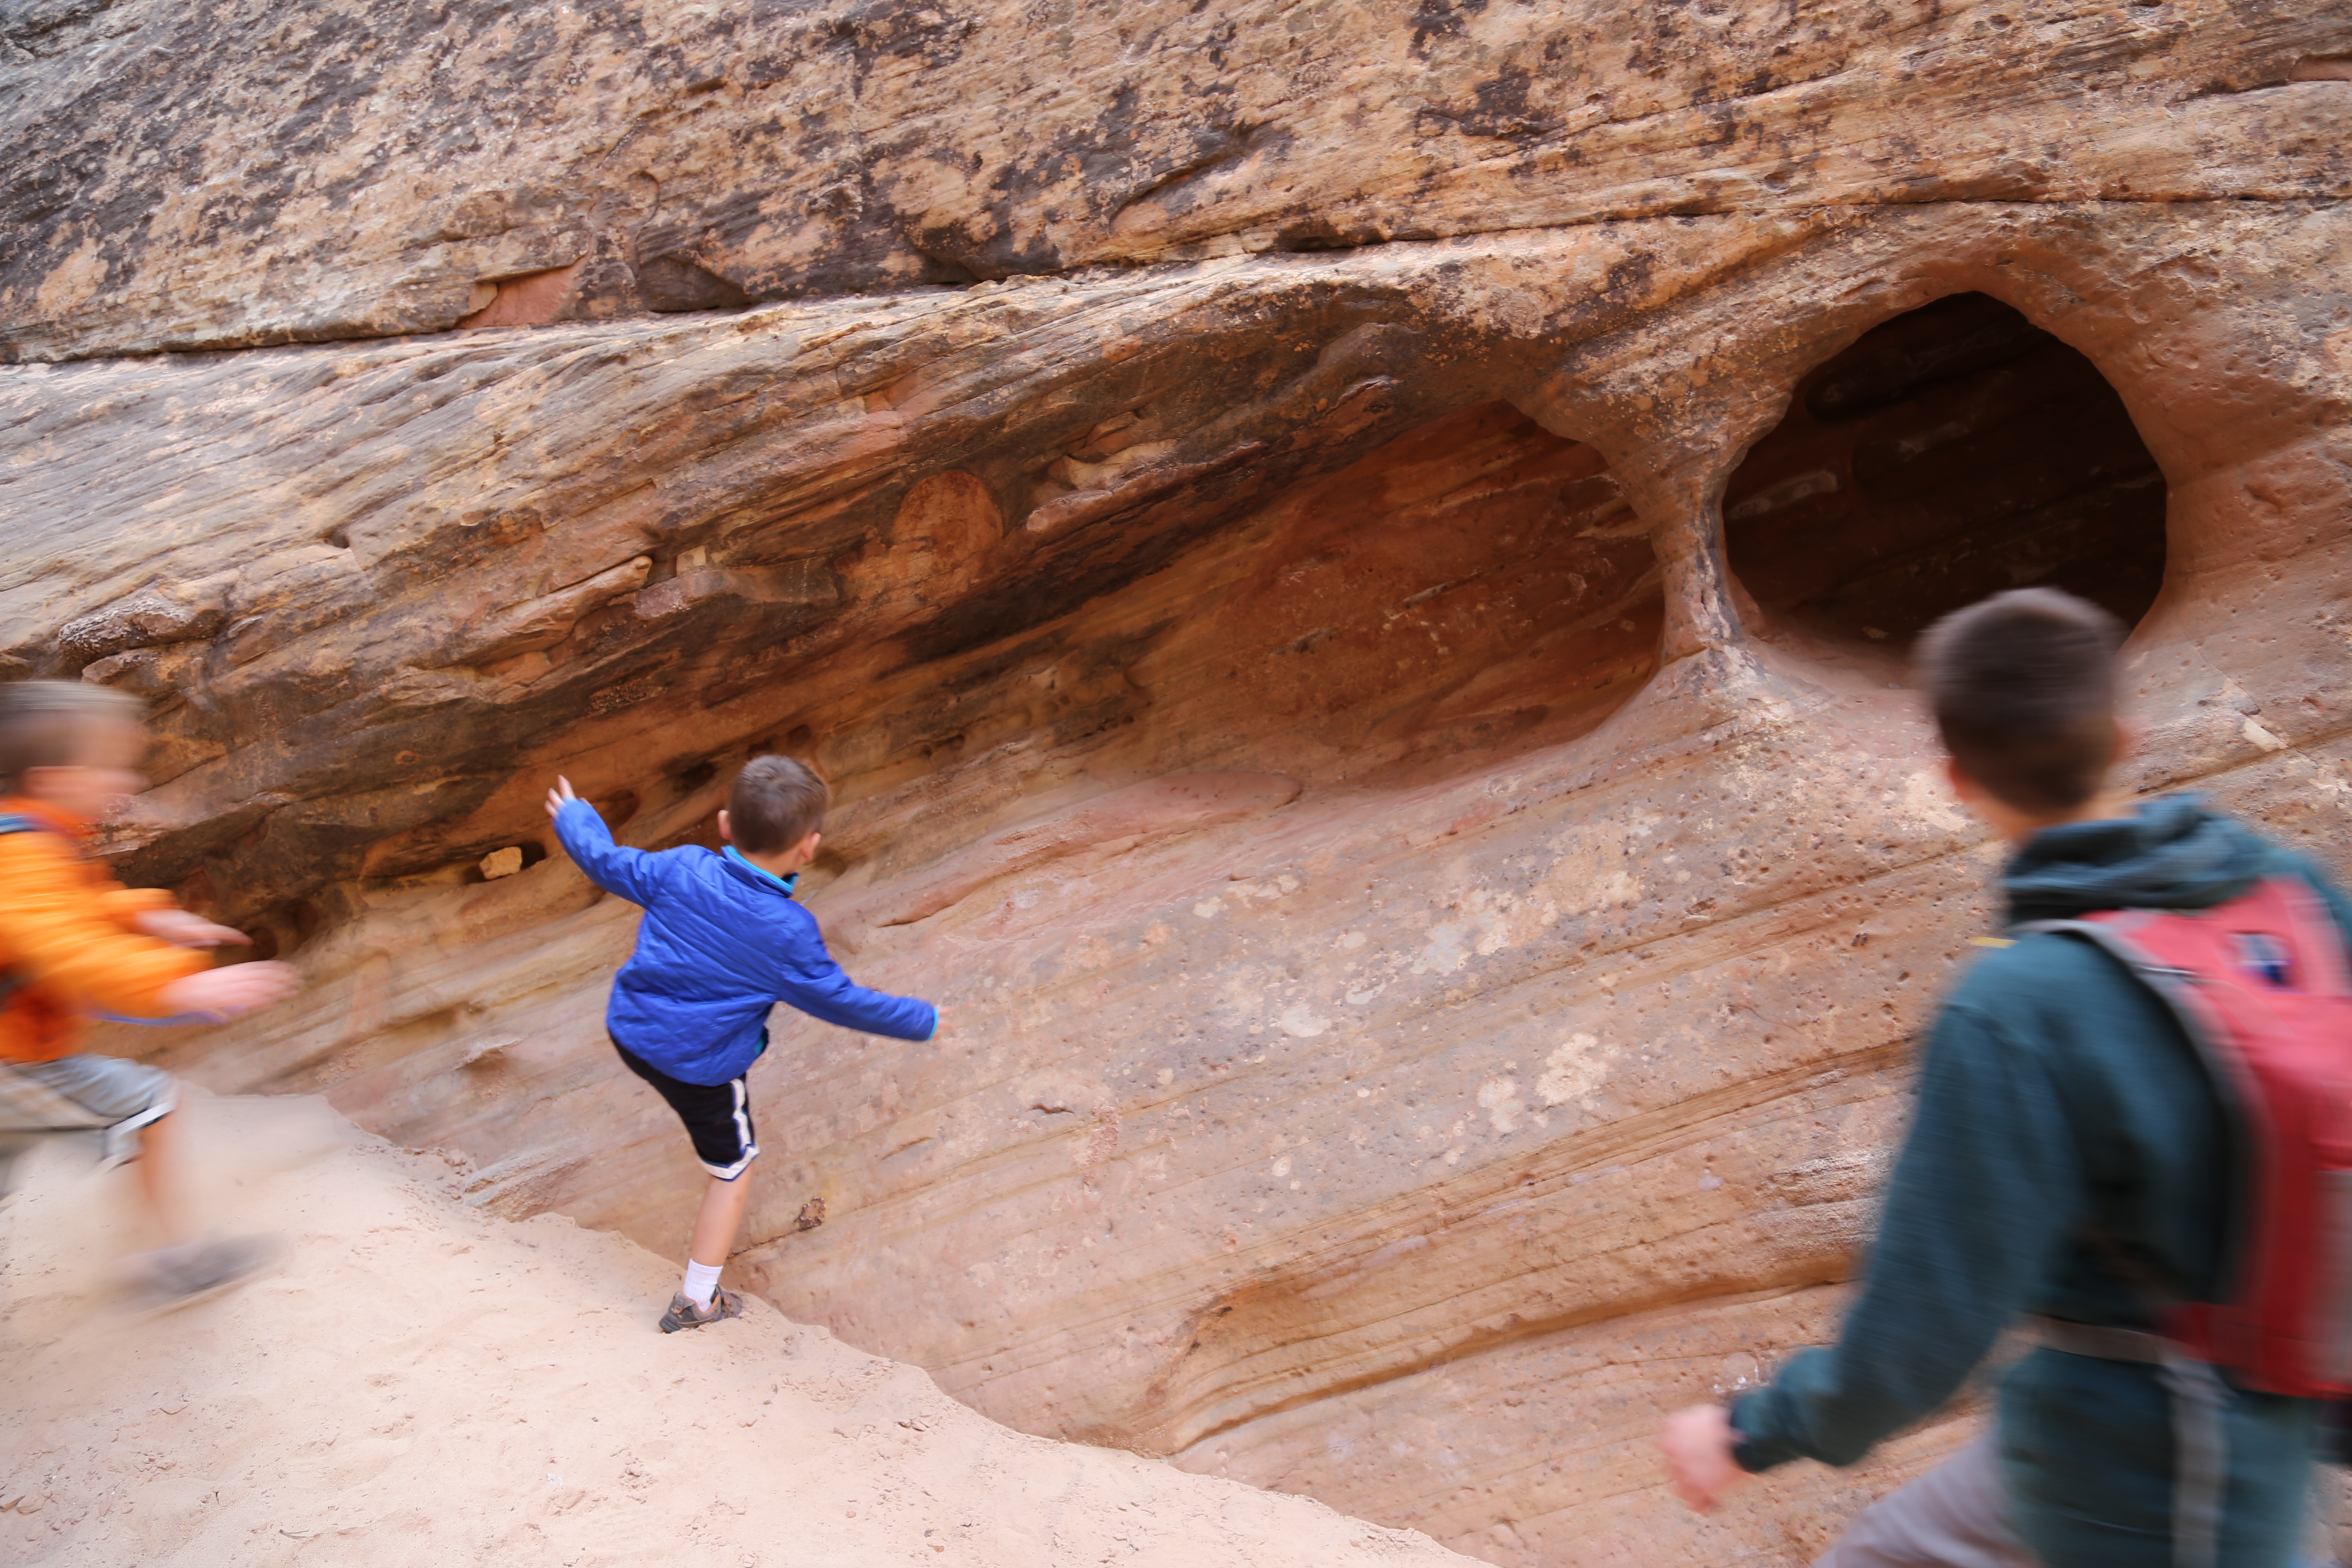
(422, 1383)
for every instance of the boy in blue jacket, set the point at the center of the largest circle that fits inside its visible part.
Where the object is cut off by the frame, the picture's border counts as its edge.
(722, 943)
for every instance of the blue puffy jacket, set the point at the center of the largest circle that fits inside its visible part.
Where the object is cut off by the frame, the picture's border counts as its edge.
(722, 941)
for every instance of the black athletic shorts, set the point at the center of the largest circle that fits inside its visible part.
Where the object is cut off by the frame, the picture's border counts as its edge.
(717, 1116)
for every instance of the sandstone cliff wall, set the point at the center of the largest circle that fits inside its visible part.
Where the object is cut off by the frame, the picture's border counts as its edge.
(1348, 571)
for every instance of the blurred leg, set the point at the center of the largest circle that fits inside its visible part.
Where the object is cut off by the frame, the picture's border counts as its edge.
(1955, 1516)
(163, 1178)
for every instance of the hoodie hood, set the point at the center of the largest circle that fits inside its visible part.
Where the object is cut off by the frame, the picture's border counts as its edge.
(2172, 853)
(761, 877)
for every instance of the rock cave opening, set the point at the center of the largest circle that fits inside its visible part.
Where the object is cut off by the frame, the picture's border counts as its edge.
(1467, 587)
(1472, 587)
(1948, 454)
(1475, 583)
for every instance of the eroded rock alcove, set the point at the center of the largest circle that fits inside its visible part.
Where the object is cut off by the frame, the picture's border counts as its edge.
(1950, 453)
(1352, 671)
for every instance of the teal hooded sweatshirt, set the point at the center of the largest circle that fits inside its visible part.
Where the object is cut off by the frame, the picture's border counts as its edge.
(2058, 1096)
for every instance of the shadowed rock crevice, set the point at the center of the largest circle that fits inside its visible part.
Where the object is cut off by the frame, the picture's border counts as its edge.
(671, 283)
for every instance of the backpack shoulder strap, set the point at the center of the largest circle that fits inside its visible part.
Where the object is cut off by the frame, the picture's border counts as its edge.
(2173, 986)
(2176, 989)
(2115, 936)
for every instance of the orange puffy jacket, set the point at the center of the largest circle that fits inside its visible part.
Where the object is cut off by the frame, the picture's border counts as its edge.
(68, 944)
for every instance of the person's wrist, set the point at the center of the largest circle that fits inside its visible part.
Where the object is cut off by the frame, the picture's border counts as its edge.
(1752, 1454)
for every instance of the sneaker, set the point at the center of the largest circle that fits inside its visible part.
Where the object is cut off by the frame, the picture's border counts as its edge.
(176, 1276)
(684, 1314)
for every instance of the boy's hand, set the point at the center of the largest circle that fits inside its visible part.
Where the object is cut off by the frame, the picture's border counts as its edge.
(230, 993)
(182, 928)
(940, 1026)
(1697, 1445)
(560, 794)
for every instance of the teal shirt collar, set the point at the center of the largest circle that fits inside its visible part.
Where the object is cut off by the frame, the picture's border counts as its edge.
(786, 883)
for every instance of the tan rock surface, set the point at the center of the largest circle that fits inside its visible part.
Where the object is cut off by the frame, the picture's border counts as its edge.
(1435, 953)
(422, 1383)
(426, 164)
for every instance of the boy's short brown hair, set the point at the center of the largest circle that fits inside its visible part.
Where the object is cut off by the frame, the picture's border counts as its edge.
(2023, 689)
(46, 724)
(774, 804)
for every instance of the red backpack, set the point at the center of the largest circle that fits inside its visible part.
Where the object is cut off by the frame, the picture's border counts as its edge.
(2260, 986)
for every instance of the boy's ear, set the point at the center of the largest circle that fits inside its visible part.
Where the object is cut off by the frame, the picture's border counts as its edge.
(725, 835)
(1967, 788)
(808, 844)
(2127, 739)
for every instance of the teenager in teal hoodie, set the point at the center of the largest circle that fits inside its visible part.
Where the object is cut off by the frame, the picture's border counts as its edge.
(2061, 1114)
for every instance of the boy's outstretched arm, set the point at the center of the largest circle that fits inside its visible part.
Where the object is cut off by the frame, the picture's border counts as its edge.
(616, 867)
(819, 988)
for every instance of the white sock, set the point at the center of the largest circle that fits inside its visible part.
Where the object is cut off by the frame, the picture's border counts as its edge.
(701, 1281)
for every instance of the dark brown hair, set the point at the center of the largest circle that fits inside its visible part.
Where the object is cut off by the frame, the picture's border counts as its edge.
(2023, 689)
(774, 804)
(46, 724)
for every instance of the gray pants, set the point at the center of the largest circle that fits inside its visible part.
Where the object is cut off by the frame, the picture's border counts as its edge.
(1955, 1516)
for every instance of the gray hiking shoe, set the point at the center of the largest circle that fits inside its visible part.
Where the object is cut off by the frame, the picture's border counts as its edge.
(684, 1314)
(176, 1276)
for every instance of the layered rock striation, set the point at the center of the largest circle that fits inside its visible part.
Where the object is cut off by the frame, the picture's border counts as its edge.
(1363, 657)
(258, 172)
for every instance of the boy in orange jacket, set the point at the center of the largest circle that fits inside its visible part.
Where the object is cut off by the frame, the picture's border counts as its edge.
(74, 941)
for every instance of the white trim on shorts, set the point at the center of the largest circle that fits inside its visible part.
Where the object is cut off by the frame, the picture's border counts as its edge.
(742, 1136)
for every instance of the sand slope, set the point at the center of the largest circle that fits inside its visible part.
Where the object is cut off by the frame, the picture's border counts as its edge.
(424, 1383)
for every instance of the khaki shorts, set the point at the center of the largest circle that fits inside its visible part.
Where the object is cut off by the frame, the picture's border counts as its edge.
(81, 1094)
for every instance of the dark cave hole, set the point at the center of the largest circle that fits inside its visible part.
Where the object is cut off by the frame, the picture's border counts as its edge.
(1473, 585)
(1947, 455)
(277, 932)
